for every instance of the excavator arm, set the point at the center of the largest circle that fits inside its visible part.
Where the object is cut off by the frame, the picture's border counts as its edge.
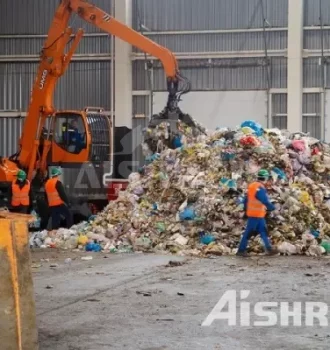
(55, 61)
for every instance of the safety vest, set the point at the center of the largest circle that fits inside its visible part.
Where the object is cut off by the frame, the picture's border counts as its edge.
(20, 195)
(255, 209)
(53, 197)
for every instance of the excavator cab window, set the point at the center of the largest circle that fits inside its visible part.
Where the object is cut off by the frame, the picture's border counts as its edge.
(70, 133)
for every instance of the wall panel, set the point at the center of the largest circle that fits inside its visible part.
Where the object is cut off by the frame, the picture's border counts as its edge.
(33, 46)
(327, 116)
(313, 39)
(312, 125)
(10, 133)
(220, 108)
(222, 42)
(312, 12)
(160, 15)
(218, 74)
(312, 72)
(35, 16)
(84, 84)
(279, 111)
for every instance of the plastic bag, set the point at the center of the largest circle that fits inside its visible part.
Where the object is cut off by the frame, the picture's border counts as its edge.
(93, 247)
(187, 214)
(278, 174)
(299, 145)
(229, 183)
(249, 141)
(257, 128)
(177, 142)
(36, 222)
(205, 238)
(287, 248)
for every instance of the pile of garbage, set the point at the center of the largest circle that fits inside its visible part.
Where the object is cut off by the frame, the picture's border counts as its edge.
(188, 199)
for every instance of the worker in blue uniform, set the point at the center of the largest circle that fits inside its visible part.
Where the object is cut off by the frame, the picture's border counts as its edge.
(256, 204)
(72, 136)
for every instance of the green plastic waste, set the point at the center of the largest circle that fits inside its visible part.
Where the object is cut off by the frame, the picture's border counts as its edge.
(160, 226)
(326, 246)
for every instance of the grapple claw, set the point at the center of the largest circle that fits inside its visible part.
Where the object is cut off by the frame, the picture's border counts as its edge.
(170, 117)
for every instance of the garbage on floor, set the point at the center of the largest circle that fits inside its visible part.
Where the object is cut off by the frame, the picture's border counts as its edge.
(189, 200)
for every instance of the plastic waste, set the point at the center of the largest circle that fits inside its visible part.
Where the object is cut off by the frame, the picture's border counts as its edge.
(178, 238)
(278, 174)
(92, 218)
(206, 238)
(93, 247)
(160, 226)
(315, 233)
(177, 143)
(187, 214)
(229, 183)
(298, 145)
(257, 128)
(36, 222)
(82, 240)
(326, 246)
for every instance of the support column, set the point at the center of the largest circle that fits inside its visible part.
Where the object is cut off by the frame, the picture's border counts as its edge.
(123, 68)
(295, 64)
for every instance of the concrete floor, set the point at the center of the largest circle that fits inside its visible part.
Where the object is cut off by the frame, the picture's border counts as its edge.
(132, 302)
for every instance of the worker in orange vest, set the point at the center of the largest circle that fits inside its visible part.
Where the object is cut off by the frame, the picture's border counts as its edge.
(21, 194)
(57, 200)
(256, 205)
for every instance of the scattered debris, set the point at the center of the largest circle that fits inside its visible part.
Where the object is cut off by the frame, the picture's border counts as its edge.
(165, 319)
(145, 294)
(36, 266)
(87, 258)
(173, 263)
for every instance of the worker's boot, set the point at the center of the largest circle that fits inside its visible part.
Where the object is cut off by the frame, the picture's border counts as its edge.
(272, 251)
(242, 254)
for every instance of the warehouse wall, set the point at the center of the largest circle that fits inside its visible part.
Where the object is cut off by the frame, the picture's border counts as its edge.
(222, 31)
(217, 28)
(220, 45)
(221, 108)
(221, 28)
(327, 116)
(86, 84)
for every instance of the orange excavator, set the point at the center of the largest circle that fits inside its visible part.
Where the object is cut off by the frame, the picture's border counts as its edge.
(41, 147)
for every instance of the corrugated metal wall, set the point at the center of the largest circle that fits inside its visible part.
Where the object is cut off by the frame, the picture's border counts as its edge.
(279, 111)
(85, 84)
(218, 74)
(312, 12)
(215, 15)
(10, 132)
(215, 42)
(312, 114)
(160, 15)
(34, 17)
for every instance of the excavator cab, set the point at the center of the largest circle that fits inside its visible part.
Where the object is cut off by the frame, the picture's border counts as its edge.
(81, 136)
